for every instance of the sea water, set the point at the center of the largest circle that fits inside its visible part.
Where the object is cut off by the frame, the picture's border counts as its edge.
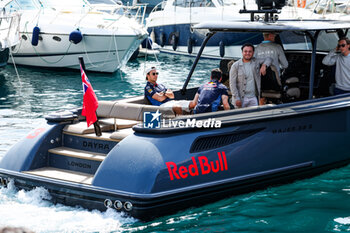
(319, 204)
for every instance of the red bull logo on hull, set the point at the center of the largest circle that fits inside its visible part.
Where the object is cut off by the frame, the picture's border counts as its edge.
(199, 166)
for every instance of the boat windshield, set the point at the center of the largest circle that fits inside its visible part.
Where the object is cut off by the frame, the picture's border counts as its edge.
(22, 5)
(64, 4)
(298, 41)
(193, 3)
(230, 2)
(108, 2)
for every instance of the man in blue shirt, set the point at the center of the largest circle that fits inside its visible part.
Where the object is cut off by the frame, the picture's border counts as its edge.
(159, 95)
(210, 95)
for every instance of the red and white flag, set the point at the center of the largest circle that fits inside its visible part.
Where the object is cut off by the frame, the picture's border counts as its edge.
(90, 102)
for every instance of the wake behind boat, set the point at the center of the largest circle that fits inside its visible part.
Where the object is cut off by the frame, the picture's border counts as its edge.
(150, 169)
(55, 34)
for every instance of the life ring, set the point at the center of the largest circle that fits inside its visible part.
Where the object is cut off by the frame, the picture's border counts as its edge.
(173, 40)
(162, 39)
(222, 48)
(190, 45)
(301, 3)
(35, 37)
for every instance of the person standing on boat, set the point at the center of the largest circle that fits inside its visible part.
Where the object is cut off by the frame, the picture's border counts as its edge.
(245, 77)
(161, 96)
(210, 95)
(342, 62)
(268, 48)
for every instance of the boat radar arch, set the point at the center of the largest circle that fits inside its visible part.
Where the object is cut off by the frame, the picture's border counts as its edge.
(267, 7)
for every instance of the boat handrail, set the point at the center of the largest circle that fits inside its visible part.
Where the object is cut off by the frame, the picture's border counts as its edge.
(159, 6)
(258, 113)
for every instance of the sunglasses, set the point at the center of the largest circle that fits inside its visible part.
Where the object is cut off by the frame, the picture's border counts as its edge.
(341, 45)
(155, 73)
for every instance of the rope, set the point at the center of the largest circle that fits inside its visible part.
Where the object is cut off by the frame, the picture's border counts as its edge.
(14, 65)
(116, 47)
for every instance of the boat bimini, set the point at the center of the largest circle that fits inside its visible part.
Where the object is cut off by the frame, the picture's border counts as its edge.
(55, 33)
(170, 26)
(149, 163)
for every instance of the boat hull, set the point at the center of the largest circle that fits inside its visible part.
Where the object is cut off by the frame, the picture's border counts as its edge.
(101, 53)
(108, 41)
(160, 173)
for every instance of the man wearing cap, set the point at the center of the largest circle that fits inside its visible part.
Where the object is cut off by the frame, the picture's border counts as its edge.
(159, 95)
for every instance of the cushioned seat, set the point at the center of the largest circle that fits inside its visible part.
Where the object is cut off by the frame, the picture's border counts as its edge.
(121, 134)
(81, 128)
(119, 123)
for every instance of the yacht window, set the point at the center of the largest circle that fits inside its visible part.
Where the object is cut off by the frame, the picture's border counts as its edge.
(64, 4)
(21, 5)
(194, 3)
(227, 2)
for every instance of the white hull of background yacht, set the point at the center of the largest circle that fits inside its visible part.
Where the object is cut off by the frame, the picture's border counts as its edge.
(102, 53)
(108, 41)
(171, 27)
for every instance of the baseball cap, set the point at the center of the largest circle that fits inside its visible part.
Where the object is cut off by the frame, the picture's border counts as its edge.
(149, 69)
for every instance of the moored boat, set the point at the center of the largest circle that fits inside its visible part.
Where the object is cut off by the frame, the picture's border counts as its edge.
(171, 23)
(9, 33)
(55, 34)
(151, 168)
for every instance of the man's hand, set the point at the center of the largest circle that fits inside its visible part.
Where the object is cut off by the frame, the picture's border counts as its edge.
(263, 70)
(169, 94)
(238, 103)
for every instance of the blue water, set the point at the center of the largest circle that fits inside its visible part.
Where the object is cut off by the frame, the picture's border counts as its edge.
(319, 204)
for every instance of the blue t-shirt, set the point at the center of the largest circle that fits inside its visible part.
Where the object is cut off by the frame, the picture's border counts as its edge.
(151, 89)
(210, 96)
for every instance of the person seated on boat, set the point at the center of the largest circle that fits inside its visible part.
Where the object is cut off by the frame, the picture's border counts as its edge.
(210, 95)
(268, 48)
(161, 96)
(245, 77)
(341, 58)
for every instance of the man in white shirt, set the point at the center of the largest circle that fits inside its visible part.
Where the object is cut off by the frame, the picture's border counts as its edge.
(341, 57)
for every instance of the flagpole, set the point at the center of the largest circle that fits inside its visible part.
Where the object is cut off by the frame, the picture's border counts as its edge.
(97, 127)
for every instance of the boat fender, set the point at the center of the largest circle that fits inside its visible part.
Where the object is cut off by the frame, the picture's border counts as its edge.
(174, 40)
(35, 37)
(162, 39)
(147, 43)
(222, 48)
(75, 36)
(189, 45)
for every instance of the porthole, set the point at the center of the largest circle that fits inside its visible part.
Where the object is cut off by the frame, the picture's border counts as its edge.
(56, 38)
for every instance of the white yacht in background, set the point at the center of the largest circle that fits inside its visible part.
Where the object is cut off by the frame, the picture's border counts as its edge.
(170, 24)
(55, 33)
(9, 32)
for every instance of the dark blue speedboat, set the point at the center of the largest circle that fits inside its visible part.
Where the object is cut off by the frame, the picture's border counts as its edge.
(150, 168)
